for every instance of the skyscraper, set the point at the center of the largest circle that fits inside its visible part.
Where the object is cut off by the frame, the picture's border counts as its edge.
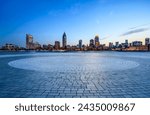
(126, 43)
(64, 40)
(29, 41)
(117, 44)
(91, 43)
(110, 45)
(97, 43)
(80, 44)
(147, 41)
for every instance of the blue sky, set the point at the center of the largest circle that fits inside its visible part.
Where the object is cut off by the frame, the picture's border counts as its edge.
(46, 20)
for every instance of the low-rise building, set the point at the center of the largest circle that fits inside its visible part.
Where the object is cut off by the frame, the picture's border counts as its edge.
(57, 45)
(137, 43)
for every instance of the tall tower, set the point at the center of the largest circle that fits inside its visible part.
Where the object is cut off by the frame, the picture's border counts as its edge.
(97, 43)
(91, 43)
(126, 43)
(117, 44)
(110, 45)
(64, 40)
(147, 41)
(29, 41)
(80, 44)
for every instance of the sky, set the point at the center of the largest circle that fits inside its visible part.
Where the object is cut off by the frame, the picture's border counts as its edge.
(47, 20)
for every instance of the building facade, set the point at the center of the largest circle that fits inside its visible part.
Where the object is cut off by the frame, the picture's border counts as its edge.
(57, 45)
(147, 41)
(64, 41)
(80, 44)
(137, 43)
(110, 45)
(117, 44)
(97, 43)
(10, 47)
(91, 43)
(126, 43)
(29, 41)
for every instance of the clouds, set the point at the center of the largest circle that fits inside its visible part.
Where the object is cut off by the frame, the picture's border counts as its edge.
(135, 31)
(139, 26)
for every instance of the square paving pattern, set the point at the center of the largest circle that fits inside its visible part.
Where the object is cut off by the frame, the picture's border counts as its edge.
(76, 81)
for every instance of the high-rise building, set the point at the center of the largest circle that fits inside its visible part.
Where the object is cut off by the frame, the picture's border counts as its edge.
(64, 40)
(117, 44)
(80, 44)
(126, 43)
(147, 41)
(57, 45)
(91, 43)
(110, 45)
(97, 43)
(29, 41)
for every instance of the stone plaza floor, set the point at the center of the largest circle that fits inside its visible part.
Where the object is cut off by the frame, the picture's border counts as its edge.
(75, 75)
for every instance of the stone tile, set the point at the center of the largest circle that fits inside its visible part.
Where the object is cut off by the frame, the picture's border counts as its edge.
(77, 82)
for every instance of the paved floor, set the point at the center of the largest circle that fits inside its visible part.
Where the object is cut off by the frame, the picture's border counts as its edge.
(129, 83)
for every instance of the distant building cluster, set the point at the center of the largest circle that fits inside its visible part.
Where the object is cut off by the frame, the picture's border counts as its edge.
(134, 46)
(30, 45)
(11, 47)
(94, 45)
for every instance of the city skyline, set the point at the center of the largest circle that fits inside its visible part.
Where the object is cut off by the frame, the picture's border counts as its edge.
(30, 42)
(94, 45)
(112, 20)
